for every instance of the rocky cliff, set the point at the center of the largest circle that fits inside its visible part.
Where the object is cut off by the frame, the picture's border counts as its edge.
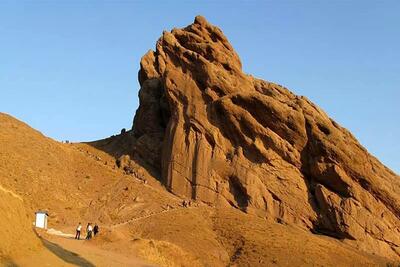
(217, 135)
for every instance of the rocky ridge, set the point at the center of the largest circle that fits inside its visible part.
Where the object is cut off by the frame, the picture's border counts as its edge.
(217, 135)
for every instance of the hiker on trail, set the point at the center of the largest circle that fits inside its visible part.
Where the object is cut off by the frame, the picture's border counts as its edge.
(95, 229)
(89, 230)
(78, 231)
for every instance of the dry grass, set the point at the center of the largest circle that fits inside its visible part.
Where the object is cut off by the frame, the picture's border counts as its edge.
(76, 182)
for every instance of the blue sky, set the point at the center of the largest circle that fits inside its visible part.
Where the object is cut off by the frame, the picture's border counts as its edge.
(69, 68)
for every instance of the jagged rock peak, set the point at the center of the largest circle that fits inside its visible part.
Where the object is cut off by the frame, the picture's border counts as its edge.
(222, 137)
(192, 47)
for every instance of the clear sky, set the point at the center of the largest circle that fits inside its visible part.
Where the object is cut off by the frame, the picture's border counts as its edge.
(69, 68)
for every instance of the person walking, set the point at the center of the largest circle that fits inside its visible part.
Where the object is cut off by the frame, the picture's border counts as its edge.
(78, 231)
(95, 229)
(89, 231)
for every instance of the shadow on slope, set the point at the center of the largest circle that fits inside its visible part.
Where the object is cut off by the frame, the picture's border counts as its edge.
(122, 144)
(7, 262)
(66, 255)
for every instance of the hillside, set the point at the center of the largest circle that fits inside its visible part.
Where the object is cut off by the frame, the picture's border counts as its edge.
(68, 180)
(137, 218)
(219, 169)
(14, 226)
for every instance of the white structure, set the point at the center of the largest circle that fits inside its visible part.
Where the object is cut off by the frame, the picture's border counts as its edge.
(41, 219)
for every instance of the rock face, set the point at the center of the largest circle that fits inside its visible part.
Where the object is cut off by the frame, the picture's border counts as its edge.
(223, 137)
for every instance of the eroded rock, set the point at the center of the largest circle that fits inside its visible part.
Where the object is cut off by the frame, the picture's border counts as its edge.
(222, 137)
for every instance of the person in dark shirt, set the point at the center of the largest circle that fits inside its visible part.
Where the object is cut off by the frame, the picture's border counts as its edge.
(95, 229)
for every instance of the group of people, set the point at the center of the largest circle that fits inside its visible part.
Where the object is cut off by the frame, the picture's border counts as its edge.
(91, 231)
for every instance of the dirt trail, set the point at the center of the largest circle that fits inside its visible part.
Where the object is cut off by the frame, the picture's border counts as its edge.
(148, 216)
(10, 192)
(72, 252)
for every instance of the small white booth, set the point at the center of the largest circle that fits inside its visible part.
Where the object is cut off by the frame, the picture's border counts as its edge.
(41, 219)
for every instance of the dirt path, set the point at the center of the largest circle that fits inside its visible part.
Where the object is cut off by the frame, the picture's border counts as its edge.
(66, 251)
(10, 192)
(147, 216)
(88, 254)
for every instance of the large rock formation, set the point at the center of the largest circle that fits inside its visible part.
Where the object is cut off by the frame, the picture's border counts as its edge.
(223, 137)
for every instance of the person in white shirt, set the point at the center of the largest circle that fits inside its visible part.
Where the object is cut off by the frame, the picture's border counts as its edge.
(78, 231)
(89, 231)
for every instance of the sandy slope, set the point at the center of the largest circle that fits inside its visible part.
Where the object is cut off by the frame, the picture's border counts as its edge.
(15, 234)
(39, 173)
(77, 182)
(17, 240)
(212, 237)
